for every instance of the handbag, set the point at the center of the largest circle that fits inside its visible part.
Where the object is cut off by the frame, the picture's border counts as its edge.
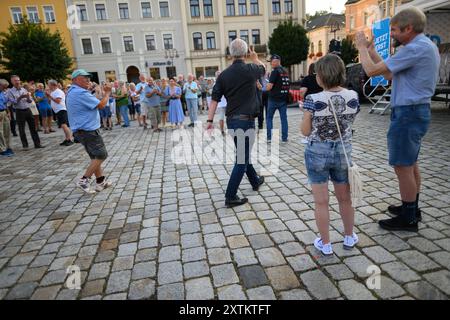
(354, 174)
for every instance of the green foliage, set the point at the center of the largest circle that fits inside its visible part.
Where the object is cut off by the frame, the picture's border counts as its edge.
(289, 40)
(349, 53)
(33, 52)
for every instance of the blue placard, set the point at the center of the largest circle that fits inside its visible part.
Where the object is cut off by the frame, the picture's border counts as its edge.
(382, 38)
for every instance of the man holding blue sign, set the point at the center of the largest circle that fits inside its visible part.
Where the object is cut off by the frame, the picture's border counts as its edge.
(414, 72)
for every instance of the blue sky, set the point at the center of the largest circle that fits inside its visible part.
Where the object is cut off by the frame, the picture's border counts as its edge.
(338, 6)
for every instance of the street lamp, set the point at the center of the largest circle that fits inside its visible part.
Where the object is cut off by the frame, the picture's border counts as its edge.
(171, 54)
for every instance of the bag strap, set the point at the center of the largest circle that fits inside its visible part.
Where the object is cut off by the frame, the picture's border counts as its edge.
(339, 131)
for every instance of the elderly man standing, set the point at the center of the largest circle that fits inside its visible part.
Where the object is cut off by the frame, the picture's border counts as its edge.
(190, 90)
(414, 72)
(84, 119)
(58, 102)
(21, 101)
(238, 84)
(5, 135)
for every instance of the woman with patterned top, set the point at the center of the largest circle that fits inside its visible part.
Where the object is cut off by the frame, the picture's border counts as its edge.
(324, 153)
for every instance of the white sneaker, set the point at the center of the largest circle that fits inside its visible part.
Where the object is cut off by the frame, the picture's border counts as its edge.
(326, 249)
(350, 242)
(304, 141)
(102, 186)
(85, 185)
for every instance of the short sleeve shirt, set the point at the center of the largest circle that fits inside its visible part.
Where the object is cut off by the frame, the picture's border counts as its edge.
(82, 109)
(44, 103)
(138, 88)
(415, 69)
(187, 88)
(280, 80)
(324, 126)
(154, 100)
(57, 107)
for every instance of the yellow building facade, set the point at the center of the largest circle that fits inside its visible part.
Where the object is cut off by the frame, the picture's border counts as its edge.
(51, 13)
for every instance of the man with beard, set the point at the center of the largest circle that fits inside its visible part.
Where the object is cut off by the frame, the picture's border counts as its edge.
(414, 72)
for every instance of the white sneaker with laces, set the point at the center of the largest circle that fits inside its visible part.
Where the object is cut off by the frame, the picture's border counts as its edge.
(326, 249)
(85, 185)
(102, 186)
(350, 241)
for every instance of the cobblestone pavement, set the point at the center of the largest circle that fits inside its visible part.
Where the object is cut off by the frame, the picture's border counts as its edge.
(162, 231)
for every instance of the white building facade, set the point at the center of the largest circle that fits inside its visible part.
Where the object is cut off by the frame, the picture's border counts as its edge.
(118, 39)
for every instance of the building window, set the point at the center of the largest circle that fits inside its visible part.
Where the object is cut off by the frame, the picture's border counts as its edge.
(208, 8)
(171, 72)
(232, 35)
(256, 36)
(276, 7)
(155, 73)
(242, 7)
(106, 45)
(199, 71)
(49, 14)
(366, 19)
(230, 8)
(128, 43)
(146, 10)
(164, 9)
(150, 41)
(254, 7)
(123, 11)
(312, 48)
(244, 35)
(110, 76)
(17, 15)
(320, 46)
(100, 11)
(87, 46)
(288, 7)
(198, 41)
(210, 40)
(33, 14)
(352, 22)
(195, 8)
(210, 72)
(82, 12)
(168, 41)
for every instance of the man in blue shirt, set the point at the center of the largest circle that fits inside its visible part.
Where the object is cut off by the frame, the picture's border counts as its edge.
(5, 137)
(152, 101)
(84, 118)
(190, 90)
(414, 72)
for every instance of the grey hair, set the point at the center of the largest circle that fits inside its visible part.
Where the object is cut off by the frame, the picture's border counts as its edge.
(4, 82)
(331, 71)
(410, 16)
(238, 48)
(52, 82)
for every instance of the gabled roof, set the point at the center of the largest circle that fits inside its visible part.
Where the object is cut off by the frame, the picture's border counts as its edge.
(326, 21)
(351, 2)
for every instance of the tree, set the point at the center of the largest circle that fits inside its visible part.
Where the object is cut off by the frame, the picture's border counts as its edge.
(33, 52)
(349, 53)
(289, 40)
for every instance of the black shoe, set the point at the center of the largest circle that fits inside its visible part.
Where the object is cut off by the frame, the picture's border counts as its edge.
(260, 183)
(399, 224)
(235, 202)
(191, 125)
(69, 143)
(64, 143)
(39, 147)
(397, 210)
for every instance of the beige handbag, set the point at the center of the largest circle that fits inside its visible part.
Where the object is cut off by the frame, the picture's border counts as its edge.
(34, 109)
(354, 174)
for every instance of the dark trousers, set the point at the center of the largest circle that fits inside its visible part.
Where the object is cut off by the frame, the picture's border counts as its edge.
(25, 116)
(243, 133)
(262, 110)
(12, 122)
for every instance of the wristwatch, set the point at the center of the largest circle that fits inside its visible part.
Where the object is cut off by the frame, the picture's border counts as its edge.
(210, 121)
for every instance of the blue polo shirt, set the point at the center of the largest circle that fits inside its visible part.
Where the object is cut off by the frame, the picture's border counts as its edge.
(3, 101)
(415, 69)
(155, 100)
(82, 109)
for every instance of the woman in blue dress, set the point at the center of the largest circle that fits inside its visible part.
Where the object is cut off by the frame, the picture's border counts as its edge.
(176, 115)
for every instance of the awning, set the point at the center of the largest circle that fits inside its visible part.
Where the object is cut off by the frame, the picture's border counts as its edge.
(427, 5)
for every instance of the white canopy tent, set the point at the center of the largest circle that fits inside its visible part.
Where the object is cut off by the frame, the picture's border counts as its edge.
(427, 5)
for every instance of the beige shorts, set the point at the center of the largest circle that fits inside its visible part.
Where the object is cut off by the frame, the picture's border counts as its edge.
(220, 112)
(154, 114)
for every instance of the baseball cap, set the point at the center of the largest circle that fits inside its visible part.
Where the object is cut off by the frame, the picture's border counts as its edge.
(275, 57)
(80, 72)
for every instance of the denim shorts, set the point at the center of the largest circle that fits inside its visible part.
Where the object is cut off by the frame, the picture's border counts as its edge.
(138, 108)
(105, 112)
(326, 161)
(409, 124)
(45, 112)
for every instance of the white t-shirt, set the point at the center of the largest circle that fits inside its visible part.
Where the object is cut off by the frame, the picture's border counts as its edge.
(57, 107)
(222, 103)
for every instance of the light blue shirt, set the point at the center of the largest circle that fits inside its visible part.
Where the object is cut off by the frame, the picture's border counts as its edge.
(187, 89)
(155, 100)
(82, 109)
(3, 101)
(415, 69)
(142, 94)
